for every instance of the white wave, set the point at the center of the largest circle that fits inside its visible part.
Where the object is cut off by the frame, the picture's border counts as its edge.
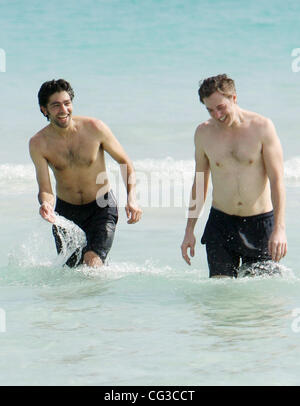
(16, 172)
(168, 165)
(292, 170)
(18, 178)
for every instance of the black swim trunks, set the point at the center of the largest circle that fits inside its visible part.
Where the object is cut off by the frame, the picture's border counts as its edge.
(97, 219)
(231, 240)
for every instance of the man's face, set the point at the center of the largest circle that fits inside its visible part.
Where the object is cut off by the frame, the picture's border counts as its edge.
(221, 108)
(59, 109)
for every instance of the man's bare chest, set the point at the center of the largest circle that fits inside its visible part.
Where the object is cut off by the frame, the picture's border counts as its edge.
(63, 155)
(234, 151)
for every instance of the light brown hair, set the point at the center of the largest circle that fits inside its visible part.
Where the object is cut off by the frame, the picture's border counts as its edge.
(220, 83)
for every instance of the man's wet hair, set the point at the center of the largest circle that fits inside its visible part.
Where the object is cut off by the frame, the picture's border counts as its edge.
(220, 83)
(53, 86)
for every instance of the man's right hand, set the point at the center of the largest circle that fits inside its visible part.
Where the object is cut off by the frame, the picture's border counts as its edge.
(47, 212)
(188, 242)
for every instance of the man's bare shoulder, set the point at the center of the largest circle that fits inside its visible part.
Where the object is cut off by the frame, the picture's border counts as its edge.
(93, 125)
(266, 129)
(258, 121)
(203, 129)
(38, 140)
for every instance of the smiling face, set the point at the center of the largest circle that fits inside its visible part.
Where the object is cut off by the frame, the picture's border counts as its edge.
(221, 108)
(59, 109)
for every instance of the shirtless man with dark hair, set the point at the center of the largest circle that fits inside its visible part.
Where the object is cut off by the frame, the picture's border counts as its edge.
(73, 147)
(242, 152)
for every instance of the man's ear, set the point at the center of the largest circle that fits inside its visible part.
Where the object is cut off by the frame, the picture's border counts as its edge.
(44, 111)
(234, 98)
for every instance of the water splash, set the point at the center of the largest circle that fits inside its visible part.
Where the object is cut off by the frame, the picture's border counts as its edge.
(264, 269)
(73, 240)
(37, 248)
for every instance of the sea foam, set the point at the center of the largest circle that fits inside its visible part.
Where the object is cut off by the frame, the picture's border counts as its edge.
(17, 178)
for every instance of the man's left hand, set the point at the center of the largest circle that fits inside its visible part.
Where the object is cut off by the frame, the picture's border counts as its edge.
(277, 245)
(133, 212)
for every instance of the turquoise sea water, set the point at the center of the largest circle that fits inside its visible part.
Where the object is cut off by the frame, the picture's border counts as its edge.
(146, 318)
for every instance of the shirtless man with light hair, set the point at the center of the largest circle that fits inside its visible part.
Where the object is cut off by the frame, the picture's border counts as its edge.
(73, 147)
(242, 152)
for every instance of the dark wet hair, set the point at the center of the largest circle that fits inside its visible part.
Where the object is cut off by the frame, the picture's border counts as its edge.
(53, 86)
(220, 83)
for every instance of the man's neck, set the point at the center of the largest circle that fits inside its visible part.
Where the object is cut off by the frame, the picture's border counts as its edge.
(238, 119)
(63, 132)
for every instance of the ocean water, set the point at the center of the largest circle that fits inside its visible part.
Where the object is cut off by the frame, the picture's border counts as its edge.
(146, 318)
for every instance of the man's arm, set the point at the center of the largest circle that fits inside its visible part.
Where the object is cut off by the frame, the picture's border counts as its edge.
(45, 195)
(273, 160)
(111, 145)
(198, 196)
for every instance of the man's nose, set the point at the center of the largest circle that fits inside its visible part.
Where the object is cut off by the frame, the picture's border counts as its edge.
(63, 108)
(217, 114)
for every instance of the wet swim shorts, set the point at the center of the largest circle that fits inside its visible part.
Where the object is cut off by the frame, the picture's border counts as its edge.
(97, 219)
(233, 239)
